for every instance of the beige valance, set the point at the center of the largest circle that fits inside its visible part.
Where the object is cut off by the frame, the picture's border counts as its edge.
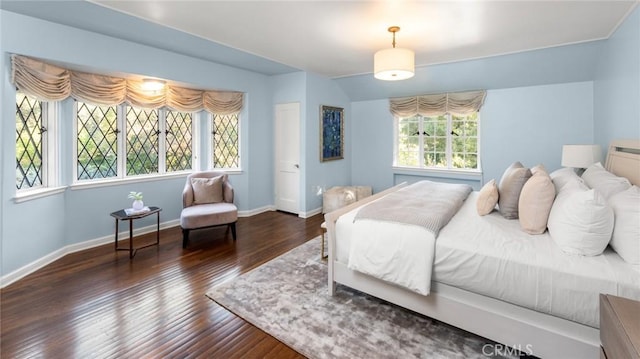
(53, 83)
(456, 103)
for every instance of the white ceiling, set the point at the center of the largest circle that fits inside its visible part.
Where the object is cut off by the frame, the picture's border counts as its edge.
(339, 38)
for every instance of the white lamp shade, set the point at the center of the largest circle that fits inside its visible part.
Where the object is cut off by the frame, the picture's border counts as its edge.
(393, 64)
(580, 156)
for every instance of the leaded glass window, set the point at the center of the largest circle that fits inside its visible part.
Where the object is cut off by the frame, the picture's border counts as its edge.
(29, 142)
(97, 141)
(122, 140)
(142, 141)
(226, 144)
(178, 141)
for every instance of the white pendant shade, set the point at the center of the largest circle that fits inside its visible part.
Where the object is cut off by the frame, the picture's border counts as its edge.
(393, 64)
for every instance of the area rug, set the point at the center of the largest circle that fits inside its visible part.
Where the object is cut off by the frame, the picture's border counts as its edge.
(287, 298)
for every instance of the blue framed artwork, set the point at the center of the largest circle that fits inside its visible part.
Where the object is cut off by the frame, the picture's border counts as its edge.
(331, 133)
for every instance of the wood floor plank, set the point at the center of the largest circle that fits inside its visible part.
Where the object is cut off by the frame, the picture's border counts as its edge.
(99, 303)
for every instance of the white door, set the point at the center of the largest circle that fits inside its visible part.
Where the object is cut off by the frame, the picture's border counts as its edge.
(287, 145)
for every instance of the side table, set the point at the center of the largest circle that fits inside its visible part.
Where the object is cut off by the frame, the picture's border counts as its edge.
(619, 327)
(121, 215)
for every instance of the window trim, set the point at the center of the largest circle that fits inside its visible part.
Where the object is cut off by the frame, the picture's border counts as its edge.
(53, 141)
(162, 141)
(32, 194)
(449, 153)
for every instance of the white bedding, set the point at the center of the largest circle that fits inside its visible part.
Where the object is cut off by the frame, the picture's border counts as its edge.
(402, 254)
(492, 256)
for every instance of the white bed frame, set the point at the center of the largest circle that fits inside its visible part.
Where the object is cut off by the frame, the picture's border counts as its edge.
(524, 329)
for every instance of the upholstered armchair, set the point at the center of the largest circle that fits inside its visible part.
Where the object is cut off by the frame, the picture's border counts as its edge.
(207, 201)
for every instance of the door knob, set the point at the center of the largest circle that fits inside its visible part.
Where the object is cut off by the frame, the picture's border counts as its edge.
(297, 166)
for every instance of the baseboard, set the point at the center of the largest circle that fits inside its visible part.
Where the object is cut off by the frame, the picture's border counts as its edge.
(76, 247)
(253, 212)
(310, 213)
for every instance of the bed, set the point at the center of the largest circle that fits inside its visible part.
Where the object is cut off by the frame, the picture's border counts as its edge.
(531, 312)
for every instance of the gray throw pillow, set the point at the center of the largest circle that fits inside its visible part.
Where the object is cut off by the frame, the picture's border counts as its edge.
(208, 190)
(509, 189)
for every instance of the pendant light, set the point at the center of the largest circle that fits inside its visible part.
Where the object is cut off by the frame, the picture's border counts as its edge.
(395, 63)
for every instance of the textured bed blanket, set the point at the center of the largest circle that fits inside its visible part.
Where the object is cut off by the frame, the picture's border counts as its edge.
(427, 204)
(385, 247)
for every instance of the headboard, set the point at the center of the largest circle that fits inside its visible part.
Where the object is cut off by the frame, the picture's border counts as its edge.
(623, 159)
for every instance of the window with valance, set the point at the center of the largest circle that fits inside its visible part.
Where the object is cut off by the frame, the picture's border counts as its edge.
(156, 126)
(439, 131)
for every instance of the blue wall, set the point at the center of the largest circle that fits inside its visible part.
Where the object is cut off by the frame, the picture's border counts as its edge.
(617, 84)
(530, 125)
(322, 91)
(372, 144)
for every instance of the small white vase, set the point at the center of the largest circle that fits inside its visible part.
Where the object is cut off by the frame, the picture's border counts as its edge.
(137, 204)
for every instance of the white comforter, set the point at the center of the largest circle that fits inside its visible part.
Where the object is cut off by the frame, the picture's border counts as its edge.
(404, 256)
(399, 254)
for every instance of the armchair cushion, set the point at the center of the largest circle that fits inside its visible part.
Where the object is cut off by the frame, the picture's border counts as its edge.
(208, 190)
(206, 215)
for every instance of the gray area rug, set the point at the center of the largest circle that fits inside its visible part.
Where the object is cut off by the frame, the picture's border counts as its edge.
(288, 298)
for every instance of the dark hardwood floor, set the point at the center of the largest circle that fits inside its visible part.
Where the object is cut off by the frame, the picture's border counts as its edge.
(99, 304)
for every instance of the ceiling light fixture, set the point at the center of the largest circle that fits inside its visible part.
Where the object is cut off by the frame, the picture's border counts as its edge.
(152, 84)
(395, 63)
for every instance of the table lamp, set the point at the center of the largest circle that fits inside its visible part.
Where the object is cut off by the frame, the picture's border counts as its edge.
(580, 156)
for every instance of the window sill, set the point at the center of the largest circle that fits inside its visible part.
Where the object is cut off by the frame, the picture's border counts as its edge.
(474, 175)
(29, 195)
(233, 171)
(118, 181)
(137, 179)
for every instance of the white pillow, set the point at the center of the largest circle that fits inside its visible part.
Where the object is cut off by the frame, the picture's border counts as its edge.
(626, 231)
(581, 221)
(563, 176)
(607, 183)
